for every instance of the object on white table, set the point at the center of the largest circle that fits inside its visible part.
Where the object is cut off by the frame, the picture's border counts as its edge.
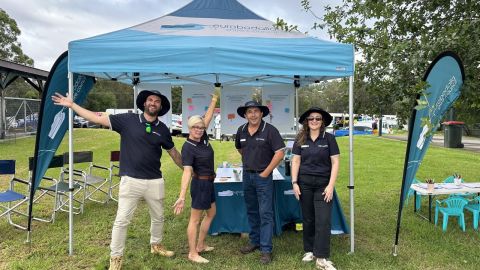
(237, 174)
(430, 187)
(457, 181)
(277, 175)
(289, 144)
(227, 175)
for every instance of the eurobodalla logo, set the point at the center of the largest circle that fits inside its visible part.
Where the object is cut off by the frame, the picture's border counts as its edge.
(222, 27)
(188, 26)
(435, 109)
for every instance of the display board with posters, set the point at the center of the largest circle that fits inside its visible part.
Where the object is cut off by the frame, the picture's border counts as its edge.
(280, 99)
(195, 101)
(166, 90)
(233, 97)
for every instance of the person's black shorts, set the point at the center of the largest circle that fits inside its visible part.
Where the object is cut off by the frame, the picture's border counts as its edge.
(203, 194)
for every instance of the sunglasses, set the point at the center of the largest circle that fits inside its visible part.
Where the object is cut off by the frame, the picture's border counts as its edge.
(148, 128)
(314, 118)
(198, 128)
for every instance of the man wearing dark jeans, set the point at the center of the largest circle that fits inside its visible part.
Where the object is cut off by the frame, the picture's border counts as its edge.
(261, 147)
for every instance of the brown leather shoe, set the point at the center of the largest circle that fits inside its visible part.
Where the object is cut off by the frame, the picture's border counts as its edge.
(161, 250)
(266, 258)
(249, 248)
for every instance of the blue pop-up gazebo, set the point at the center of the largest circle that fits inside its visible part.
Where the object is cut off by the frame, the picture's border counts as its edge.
(213, 42)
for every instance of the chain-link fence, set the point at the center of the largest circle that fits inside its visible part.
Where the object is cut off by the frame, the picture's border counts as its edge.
(21, 116)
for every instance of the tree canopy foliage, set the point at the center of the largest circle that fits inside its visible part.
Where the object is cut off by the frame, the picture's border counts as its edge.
(10, 47)
(396, 40)
(331, 96)
(11, 50)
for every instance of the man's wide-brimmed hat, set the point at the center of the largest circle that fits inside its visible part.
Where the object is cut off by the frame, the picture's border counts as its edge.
(327, 118)
(242, 109)
(142, 97)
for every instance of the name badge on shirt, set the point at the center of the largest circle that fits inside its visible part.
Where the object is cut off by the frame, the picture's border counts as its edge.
(153, 132)
(242, 140)
(323, 146)
(305, 146)
(260, 139)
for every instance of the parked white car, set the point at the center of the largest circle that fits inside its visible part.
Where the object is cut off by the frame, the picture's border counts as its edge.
(176, 124)
(80, 122)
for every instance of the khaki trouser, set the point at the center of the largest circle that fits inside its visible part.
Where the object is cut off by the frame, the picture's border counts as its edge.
(131, 191)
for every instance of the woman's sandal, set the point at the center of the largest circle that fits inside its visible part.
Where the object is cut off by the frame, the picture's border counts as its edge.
(206, 249)
(199, 259)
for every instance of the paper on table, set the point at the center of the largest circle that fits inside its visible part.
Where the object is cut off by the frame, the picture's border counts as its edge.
(229, 173)
(471, 185)
(277, 175)
(224, 172)
(452, 187)
(424, 186)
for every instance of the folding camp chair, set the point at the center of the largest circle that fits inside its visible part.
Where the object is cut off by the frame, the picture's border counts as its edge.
(114, 172)
(92, 184)
(58, 190)
(11, 199)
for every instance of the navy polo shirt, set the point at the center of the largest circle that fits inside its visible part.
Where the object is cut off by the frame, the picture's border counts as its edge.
(315, 155)
(140, 152)
(258, 149)
(199, 155)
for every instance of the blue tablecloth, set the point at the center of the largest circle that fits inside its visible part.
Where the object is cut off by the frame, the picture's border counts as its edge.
(232, 215)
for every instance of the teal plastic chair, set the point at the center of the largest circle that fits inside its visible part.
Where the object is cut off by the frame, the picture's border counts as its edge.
(452, 206)
(474, 207)
(411, 193)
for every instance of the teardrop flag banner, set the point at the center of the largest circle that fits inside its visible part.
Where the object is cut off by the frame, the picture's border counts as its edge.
(444, 79)
(53, 120)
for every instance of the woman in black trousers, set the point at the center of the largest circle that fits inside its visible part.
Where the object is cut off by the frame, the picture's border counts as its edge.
(315, 164)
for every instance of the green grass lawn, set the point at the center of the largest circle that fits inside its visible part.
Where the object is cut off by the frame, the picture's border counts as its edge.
(378, 173)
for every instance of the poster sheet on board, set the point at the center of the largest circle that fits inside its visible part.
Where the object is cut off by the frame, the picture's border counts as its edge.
(233, 97)
(280, 99)
(195, 101)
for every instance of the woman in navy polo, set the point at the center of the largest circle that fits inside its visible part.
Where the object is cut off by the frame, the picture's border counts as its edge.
(315, 164)
(198, 165)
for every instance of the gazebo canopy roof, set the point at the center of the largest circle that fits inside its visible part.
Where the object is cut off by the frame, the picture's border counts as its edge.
(209, 41)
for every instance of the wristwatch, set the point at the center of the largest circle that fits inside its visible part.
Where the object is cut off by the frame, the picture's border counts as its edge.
(294, 182)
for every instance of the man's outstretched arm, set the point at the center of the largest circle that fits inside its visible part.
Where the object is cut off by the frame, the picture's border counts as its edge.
(103, 120)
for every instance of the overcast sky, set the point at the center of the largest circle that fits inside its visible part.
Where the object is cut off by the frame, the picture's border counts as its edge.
(48, 25)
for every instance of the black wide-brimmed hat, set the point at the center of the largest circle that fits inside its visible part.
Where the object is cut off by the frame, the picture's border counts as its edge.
(242, 109)
(142, 97)
(327, 118)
